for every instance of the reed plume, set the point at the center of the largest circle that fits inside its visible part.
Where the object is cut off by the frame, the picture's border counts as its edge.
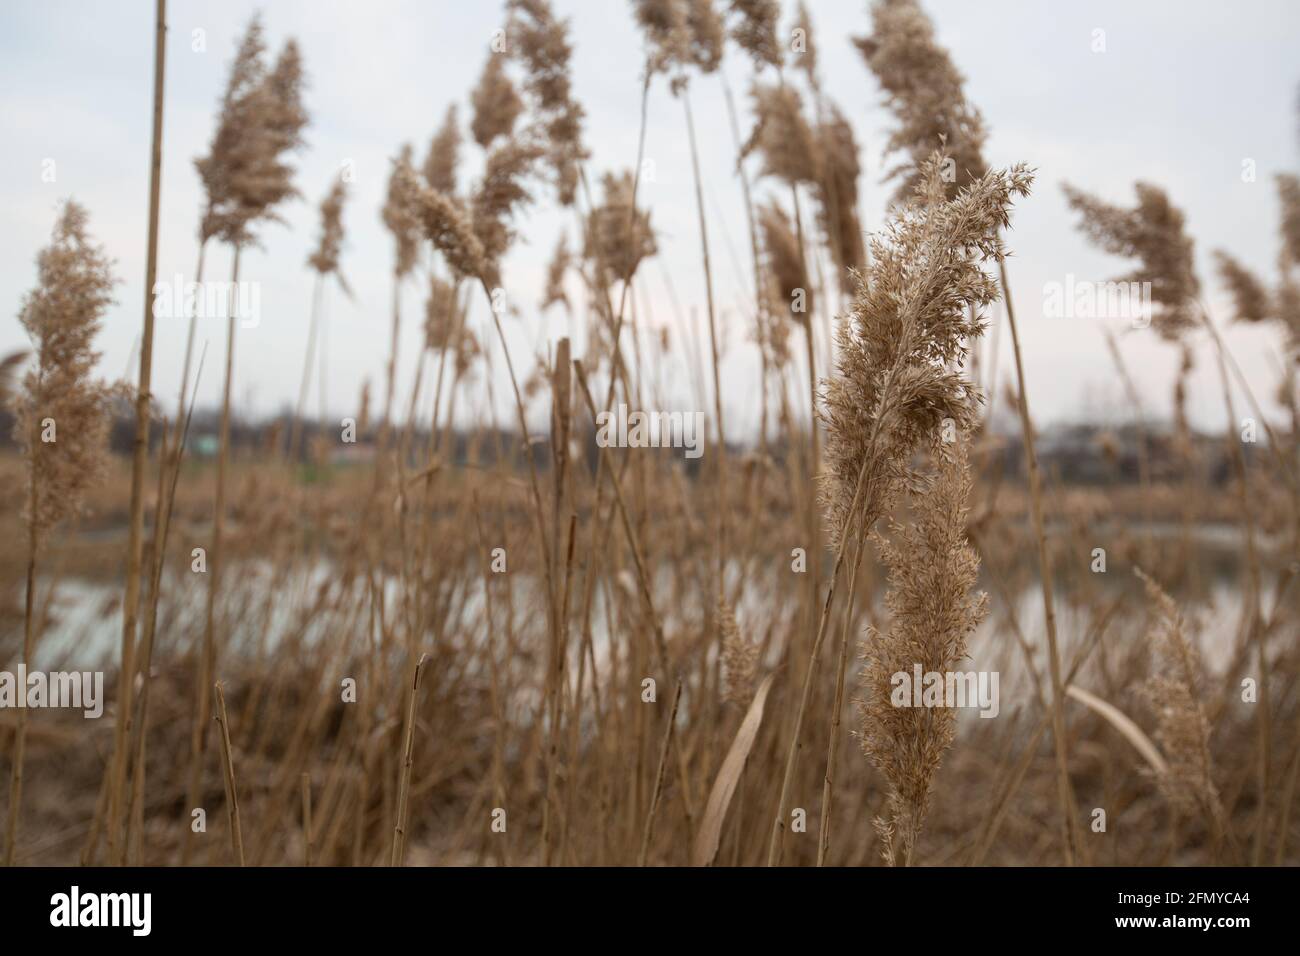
(440, 311)
(235, 124)
(617, 236)
(61, 416)
(781, 135)
(1250, 298)
(932, 610)
(754, 28)
(541, 42)
(443, 220)
(561, 259)
(496, 103)
(400, 218)
(739, 658)
(707, 35)
(1153, 233)
(1174, 691)
(667, 36)
(791, 288)
(836, 190)
(325, 258)
(898, 380)
(268, 119)
(444, 155)
(502, 191)
(59, 397)
(924, 90)
(900, 349)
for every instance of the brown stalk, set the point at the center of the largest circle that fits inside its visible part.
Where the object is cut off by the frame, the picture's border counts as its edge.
(837, 710)
(228, 768)
(29, 650)
(207, 658)
(139, 451)
(1045, 574)
(408, 760)
(168, 473)
(721, 470)
(659, 777)
(1255, 631)
(295, 428)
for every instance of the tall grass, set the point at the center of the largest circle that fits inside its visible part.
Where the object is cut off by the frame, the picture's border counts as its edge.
(529, 647)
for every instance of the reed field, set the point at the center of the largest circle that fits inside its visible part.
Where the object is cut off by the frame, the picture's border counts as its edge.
(530, 607)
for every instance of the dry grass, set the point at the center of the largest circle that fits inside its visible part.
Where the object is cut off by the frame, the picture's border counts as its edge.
(477, 645)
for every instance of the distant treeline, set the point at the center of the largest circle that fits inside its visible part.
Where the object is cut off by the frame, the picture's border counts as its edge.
(1082, 454)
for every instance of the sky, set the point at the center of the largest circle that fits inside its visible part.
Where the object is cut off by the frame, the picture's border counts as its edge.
(1191, 96)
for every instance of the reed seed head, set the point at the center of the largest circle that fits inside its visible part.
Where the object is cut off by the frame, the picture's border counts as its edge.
(754, 29)
(792, 295)
(1174, 692)
(541, 42)
(496, 104)
(235, 125)
(444, 155)
(1151, 232)
(708, 35)
(440, 310)
(782, 135)
(501, 192)
(1250, 298)
(325, 259)
(932, 613)
(905, 339)
(561, 259)
(61, 417)
(664, 24)
(925, 91)
(837, 190)
(443, 220)
(739, 658)
(400, 213)
(618, 239)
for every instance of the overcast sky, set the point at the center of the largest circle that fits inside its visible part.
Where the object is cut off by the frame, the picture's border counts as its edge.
(1182, 95)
